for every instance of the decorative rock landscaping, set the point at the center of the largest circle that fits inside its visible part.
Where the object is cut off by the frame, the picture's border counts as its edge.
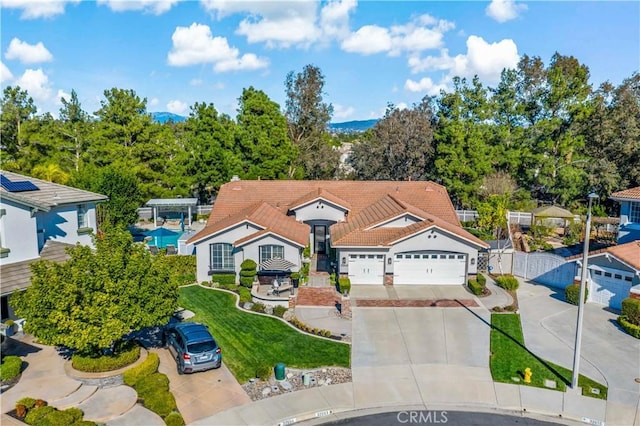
(260, 389)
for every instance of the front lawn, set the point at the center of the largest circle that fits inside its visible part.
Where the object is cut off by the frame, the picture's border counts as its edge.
(249, 341)
(509, 358)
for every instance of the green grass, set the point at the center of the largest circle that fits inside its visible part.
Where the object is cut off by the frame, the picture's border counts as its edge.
(249, 341)
(509, 358)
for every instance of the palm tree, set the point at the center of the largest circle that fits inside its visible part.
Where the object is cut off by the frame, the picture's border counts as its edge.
(51, 172)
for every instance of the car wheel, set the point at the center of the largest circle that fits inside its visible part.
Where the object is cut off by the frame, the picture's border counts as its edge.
(218, 366)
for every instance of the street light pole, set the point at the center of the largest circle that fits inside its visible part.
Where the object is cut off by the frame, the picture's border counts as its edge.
(583, 285)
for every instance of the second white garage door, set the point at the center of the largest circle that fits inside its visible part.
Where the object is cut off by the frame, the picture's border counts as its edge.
(609, 287)
(366, 269)
(429, 268)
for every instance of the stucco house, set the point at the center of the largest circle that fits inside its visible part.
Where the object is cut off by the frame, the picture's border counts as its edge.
(39, 220)
(376, 232)
(629, 228)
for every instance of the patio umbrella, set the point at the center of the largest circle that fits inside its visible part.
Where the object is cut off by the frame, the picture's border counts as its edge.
(158, 234)
(277, 264)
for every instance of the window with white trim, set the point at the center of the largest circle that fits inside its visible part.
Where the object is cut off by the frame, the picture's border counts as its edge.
(271, 251)
(83, 217)
(634, 212)
(222, 257)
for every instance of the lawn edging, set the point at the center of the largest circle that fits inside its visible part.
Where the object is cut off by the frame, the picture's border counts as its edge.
(237, 296)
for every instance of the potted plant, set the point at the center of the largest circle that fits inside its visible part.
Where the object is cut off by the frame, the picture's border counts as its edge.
(9, 328)
(295, 279)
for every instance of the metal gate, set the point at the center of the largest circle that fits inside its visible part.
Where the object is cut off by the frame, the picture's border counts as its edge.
(544, 268)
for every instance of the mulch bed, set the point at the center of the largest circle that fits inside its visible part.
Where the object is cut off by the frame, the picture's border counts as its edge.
(419, 303)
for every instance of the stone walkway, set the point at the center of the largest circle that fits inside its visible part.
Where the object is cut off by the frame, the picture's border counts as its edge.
(317, 296)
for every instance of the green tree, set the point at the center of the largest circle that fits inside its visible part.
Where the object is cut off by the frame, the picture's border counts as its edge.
(121, 186)
(308, 118)
(261, 138)
(399, 147)
(91, 301)
(124, 115)
(17, 107)
(51, 172)
(74, 127)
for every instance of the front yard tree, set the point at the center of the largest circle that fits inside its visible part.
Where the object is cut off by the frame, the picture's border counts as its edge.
(97, 296)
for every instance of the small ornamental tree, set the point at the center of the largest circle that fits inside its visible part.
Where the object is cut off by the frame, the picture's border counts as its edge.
(89, 302)
(247, 272)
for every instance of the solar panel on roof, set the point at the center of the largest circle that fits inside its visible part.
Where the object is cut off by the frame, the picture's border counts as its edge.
(17, 186)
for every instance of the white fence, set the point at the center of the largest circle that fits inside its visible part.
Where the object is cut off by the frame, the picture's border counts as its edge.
(147, 212)
(522, 218)
(544, 268)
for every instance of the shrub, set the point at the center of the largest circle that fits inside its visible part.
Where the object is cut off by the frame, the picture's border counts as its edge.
(263, 372)
(85, 423)
(174, 419)
(151, 383)
(246, 282)
(40, 403)
(75, 413)
(279, 310)
(257, 307)
(183, 268)
(28, 402)
(35, 415)
(21, 410)
(247, 272)
(245, 295)
(572, 294)
(630, 328)
(10, 367)
(345, 285)
(631, 310)
(128, 354)
(56, 418)
(508, 282)
(161, 402)
(232, 287)
(248, 264)
(475, 287)
(306, 252)
(144, 369)
(224, 279)
(327, 333)
(482, 280)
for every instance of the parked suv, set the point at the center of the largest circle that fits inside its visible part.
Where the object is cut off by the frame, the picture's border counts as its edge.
(192, 346)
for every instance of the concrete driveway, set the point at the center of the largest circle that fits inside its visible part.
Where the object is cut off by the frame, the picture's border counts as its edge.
(608, 353)
(202, 394)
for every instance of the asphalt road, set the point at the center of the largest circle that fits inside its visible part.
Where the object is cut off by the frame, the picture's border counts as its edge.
(437, 417)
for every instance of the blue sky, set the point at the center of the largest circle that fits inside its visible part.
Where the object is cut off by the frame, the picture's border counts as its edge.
(176, 53)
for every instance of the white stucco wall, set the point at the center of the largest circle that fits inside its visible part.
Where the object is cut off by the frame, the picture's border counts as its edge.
(18, 231)
(320, 210)
(343, 254)
(61, 224)
(252, 251)
(400, 222)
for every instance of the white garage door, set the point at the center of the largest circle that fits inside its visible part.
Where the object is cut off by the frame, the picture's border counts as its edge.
(429, 268)
(609, 287)
(366, 268)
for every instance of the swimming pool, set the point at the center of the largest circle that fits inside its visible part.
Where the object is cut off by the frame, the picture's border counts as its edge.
(163, 242)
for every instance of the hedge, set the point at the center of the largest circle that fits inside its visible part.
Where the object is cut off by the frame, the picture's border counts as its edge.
(174, 419)
(129, 354)
(160, 401)
(572, 294)
(245, 295)
(28, 402)
(146, 368)
(482, 280)
(248, 264)
(475, 287)
(631, 310)
(508, 282)
(57, 418)
(183, 268)
(149, 384)
(345, 285)
(632, 329)
(37, 414)
(246, 282)
(11, 367)
(224, 279)
(85, 423)
(279, 310)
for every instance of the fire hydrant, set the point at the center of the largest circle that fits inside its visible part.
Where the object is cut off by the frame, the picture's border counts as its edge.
(527, 375)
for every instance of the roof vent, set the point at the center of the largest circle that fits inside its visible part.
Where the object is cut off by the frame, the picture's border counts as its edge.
(235, 178)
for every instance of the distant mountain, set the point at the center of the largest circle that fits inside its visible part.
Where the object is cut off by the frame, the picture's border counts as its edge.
(163, 117)
(352, 126)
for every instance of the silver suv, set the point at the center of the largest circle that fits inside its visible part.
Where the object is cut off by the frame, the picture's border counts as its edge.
(192, 346)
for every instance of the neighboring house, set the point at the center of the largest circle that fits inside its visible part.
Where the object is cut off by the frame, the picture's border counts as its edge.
(612, 272)
(629, 228)
(377, 232)
(39, 220)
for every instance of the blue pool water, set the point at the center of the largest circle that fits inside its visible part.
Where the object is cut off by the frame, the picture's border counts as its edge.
(163, 242)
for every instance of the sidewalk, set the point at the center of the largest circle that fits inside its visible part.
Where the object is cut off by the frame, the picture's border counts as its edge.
(498, 296)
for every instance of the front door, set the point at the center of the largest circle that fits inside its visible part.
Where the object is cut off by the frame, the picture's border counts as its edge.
(320, 238)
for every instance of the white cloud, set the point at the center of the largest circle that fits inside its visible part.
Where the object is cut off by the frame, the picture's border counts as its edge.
(431, 63)
(177, 107)
(421, 33)
(62, 94)
(33, 9)
(28, 53)
(287, 23)
(196, 45)
(504, 10)
(154, 102)
(37, 84)
(157, 7)
(341, 112)
(5, 73)
(424, 85)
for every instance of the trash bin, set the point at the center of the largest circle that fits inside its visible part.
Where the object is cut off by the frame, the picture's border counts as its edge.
(279, 371)
(306, 379)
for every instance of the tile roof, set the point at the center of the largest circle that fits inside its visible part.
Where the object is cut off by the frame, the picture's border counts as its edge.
(48, 194)
(17, 276)
(629, 253)
(268, 205)
(631, 193)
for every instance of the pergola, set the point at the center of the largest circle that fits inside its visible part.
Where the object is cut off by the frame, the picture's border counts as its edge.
(173, 205)
(552, 212)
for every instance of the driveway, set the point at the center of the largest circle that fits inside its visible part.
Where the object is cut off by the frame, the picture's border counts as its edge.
(202, 394)
(608, 353)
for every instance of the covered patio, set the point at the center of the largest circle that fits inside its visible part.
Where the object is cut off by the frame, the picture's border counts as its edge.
(173, 208)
